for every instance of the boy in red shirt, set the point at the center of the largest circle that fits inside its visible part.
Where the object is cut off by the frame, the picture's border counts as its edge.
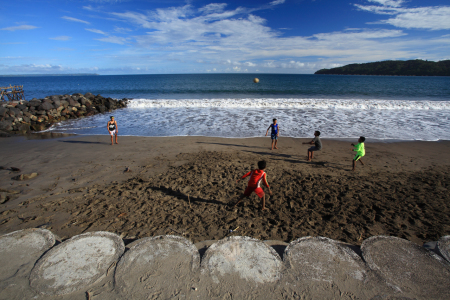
(254, 184)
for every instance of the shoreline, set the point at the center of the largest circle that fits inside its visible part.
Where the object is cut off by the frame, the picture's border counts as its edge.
(82, 186)
(50, 135)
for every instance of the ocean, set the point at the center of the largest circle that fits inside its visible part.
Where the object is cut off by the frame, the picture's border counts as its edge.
(233, 106)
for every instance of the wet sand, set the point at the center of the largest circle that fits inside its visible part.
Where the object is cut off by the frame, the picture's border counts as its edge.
(185, 185)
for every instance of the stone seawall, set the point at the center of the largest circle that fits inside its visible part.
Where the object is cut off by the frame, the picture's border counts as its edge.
(39, 114)
(98, 265)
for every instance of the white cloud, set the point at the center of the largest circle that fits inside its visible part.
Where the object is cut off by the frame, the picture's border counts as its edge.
(21, 27)
(213, 8)
(121, 29)
(430, 17)
(391, 3)
(179, 31)
(74, 20)
(114, 39)
(277, 2)
(61, 38)
(43, 69)
(96, 31)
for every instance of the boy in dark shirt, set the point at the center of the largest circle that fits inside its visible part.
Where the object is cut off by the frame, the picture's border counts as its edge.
(317, 145)
(254, 184)
(275, 133)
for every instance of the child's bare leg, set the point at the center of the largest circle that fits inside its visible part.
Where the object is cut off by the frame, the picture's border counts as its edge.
(240, 199)
(116, 139)
(112, 142)
(312, 154)
(354, 165)
(361, 161)
(272, 144)
(309, 155)
(263, 203)
(276, 141)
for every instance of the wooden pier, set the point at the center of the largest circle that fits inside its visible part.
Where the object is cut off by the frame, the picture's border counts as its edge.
(12, 93)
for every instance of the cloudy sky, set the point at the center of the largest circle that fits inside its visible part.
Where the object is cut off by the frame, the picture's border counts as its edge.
(197, 36)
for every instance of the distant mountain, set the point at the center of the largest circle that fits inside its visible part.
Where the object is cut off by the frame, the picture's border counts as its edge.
(42, 75)
(416, 67)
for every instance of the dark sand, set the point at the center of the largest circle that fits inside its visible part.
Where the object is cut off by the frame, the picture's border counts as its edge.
(184, 186)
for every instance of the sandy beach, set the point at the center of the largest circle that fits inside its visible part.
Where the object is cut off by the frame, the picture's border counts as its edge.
(185, 185)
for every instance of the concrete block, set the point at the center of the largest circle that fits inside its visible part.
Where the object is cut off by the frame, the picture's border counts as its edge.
(443, 246)
(408, 267)
(245, 257)
(19, 251)
(161, 265)
(77, 263)
(323, 259)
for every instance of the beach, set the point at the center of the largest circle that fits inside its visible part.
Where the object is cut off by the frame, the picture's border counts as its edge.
(147, 186)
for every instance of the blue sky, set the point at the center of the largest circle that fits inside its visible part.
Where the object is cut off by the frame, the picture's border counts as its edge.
(172, 36)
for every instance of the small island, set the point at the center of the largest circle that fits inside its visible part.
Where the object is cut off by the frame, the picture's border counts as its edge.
(415, 67)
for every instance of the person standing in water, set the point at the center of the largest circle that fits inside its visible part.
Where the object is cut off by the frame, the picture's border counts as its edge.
(112, 129)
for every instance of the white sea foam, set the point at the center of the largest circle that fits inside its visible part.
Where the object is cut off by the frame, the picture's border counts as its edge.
(364, 104)
(237, 118)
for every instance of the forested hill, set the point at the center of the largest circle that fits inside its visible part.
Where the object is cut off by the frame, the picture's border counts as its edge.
(394, 67)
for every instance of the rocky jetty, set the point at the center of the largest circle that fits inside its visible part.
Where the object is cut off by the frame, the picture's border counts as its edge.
(22, 117)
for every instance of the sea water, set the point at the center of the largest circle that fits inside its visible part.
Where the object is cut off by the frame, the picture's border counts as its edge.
(232, 105)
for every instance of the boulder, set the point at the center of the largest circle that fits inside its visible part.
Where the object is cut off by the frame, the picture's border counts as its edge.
(89, 96)
(48, 100)
(109, 105)
(101, 108)
(64, 103)
(6, 125)
(41, 112)
(55, 98)
(46, 106)
(56, 103)
(73, 102)
(34, 103)
(14, 111)
(38, 127)
(3, 111)
(23, 128)
(22, 107)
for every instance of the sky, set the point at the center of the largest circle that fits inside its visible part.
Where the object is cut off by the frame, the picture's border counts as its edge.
(111, 37)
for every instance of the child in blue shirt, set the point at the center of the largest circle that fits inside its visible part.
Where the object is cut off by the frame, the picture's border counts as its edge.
(275, 133)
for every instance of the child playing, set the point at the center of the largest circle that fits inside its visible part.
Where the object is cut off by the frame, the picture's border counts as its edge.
(275, 133)
(113, 129)
(254, 184)
(317, 145)
(360, 151)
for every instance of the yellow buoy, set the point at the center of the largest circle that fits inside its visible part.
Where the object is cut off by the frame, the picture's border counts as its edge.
(256, 80)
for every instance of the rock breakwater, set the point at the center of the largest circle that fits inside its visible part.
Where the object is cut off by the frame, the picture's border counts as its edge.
(22, 117)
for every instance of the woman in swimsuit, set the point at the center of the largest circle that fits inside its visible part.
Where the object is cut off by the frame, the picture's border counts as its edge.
(112, 129)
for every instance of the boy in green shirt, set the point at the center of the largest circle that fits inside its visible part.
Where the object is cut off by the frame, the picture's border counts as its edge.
(360, 151)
